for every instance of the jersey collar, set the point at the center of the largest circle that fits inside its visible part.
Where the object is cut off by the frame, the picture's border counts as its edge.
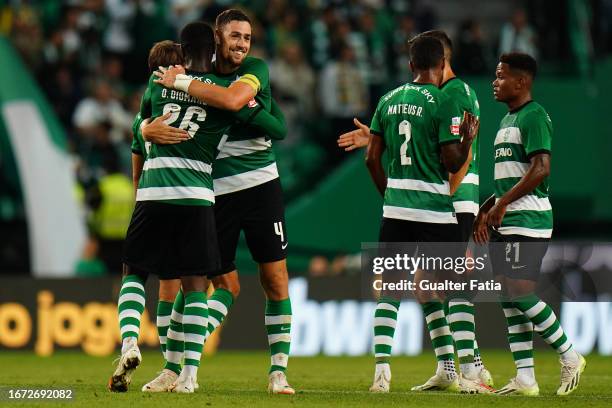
(520, 107)
(447, 81)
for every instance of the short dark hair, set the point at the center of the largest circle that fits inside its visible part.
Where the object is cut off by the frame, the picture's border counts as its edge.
(425, 52)
(519, 61)
(440, 36)
(198, 41)
(165, 53)
(230, 15)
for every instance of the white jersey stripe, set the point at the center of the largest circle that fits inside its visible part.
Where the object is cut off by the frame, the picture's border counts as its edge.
(242, 147)
(471, 178)
(414, 214)
(529, 203)
(177, 163)
(466, 207)
(419, 185)
(174, 193)
(508, 135)
(508, 169)
(528, 232)
(248, 179)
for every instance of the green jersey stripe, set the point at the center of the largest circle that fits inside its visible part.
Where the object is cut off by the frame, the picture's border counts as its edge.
(244, 180)
(177, 163)
(175, 193)
(503, 185)
(419, 185)
(421, 200)
(242, 147)
(415, 214)
(529, 203)
(507, 169)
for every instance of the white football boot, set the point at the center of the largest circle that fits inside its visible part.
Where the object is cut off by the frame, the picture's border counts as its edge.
(277, 384)
(515, 387)
(382, 378)
(485, 377)
(184, 384)
(162, 383)
(570, 375)
(128, 362)
(467, 386)
(441, 381)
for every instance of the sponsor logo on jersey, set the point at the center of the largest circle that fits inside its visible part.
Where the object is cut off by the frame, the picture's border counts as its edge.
(503, 152)
(455, 123)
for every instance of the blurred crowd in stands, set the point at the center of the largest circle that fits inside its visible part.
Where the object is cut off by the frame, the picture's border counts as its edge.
(329, 61)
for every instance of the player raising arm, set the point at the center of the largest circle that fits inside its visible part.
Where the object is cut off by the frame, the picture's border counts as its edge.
(518, 222)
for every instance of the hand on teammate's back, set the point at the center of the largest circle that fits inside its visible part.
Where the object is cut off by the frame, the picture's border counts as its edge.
(355, 138)
(469, 126)
(167, 76)
(158, 132)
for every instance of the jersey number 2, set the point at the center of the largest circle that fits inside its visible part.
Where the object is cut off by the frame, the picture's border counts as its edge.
(186, 123)
(405, 129)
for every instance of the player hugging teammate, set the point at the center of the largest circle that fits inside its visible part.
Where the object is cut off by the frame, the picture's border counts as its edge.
(518, 218)
(188, 134)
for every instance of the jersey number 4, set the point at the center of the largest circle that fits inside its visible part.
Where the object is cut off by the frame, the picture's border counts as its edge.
(186, 124)
(405, 129)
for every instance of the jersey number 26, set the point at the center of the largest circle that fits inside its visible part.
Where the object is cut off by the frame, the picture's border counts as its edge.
(186, 123)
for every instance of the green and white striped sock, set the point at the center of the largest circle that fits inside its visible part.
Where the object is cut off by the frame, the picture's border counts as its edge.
(164, 309)
(218, 306)
(461, 320)
(545, 322)
(278, 326)
(520, 338)
(175, 342)
(130, 306)
(385, 320)
(439, 331)
(195, 324)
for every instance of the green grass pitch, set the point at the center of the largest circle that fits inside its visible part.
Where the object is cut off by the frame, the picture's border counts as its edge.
(240, 379)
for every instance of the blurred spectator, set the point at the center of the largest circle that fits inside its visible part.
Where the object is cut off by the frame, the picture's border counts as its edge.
(100, 110)
(343, 94)
(112, 201)
(293, 82)
(90, 265)
(26, 35)
(404, 32)
(518, 36)
(285, 31)
(64, 94)
(470, 56)
(320, 34)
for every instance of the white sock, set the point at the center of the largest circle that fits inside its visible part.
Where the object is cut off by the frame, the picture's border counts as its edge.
(447, 367)
(526, 375)
(570, 356)
(469, 371)
(383, 367)
(127, 343)
(190, 371)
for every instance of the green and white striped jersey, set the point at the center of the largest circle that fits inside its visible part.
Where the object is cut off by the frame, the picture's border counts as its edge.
(139, 145)
(524, 132)
(466, 199)
(415, 120)
(246, 159)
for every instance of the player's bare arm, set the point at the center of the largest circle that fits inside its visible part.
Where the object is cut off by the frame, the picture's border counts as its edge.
(376, 147)
(481, 229)
(158, 132)
(455, 179)
(538, 170)
(232, 98)
(355, 139)
(454, 155)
